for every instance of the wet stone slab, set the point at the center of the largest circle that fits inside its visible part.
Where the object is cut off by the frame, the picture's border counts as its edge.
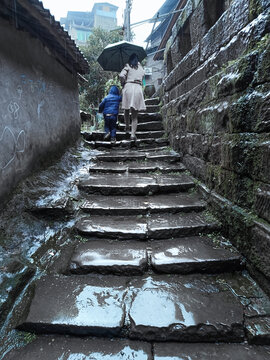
(116, 156)
(120, 184)
(72, 348)
(136, 167)
(127, 143)
(162, 226)
(155, 166)
(145, 117)
(116, 205)
(109, 257)
(176, 351)
(77, 305)
(99, 136)
(193, 254)
(155, 155)
(107, 168)
(52, 208)
(139, 205)
(184, 308)
(258, 330)
(157, 226)
(113, 227)
(175, 202)
(152, 125)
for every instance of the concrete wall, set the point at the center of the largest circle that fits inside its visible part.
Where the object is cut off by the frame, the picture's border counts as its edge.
(39, 108)
(217, 114)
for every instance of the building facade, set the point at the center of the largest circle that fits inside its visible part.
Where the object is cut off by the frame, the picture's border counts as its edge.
(155, 67)
(80, 24)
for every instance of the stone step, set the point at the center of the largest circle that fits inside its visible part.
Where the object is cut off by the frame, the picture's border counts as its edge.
(110, 257)
(183, 308)
(68, 348)
(183, 255)
(136, 205)
(178, 351)
(146, 126)
(192, 254)
(136, 167)
(56, 347)
(152, 101)
(98, 136)
(143, 117)
(130, 184)
(150, 108)
(155, 149)
(117, 156)
(140, 143)
(156, 226)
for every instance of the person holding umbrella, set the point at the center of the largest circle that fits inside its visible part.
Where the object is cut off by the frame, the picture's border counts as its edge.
(131, 78)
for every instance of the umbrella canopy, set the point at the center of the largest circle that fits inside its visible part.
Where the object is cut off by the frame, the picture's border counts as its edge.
(115, 56)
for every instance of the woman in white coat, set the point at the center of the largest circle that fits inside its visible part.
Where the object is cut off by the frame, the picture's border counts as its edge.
(132, 97)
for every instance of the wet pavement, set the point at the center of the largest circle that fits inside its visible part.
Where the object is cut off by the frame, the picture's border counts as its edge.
(124, 261)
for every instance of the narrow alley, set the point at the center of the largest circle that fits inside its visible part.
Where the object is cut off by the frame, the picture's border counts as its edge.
(146, 239)
(145, 273)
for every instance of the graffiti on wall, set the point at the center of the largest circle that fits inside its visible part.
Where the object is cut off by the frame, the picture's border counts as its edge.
(13, 144)
(13, 137)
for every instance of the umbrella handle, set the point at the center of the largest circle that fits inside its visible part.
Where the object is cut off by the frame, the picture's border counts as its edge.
(121, 54)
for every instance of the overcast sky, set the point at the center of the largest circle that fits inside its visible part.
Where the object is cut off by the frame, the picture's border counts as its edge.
(141, 10)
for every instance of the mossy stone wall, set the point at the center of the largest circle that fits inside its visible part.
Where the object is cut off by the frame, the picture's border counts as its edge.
(217, 110)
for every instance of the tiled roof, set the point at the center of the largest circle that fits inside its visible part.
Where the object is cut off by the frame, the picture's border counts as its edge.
(30, 15)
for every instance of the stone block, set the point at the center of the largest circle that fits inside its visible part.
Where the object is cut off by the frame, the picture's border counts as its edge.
(258, 331)
(77, 305)
(212, 118)
(228, 25)
(198, 27)
(197, 310)
(178, 351)
(58, 347)
(260, 247)
(263, 115)
(262, 202)
(261, 161)
(196, 166)
(238, 152)
(247, 112)
(236, 188)
(187, 65)
(193, 254)
(214, 149)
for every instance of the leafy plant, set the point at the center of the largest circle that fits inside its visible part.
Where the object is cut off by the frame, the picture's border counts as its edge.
(93, 91)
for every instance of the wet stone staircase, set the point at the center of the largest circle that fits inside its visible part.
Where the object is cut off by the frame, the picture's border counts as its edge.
(150, 277)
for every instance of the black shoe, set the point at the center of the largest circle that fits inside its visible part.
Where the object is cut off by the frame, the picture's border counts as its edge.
(107, 136)
(113, 140)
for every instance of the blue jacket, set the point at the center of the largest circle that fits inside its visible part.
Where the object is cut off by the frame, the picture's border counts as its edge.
(110, 104)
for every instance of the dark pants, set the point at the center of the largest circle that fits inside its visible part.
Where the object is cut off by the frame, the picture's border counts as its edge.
(110, 124)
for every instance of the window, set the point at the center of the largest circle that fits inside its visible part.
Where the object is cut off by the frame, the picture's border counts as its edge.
(83, 35)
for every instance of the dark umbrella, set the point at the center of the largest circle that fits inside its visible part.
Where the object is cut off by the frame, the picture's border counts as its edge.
(115, 56)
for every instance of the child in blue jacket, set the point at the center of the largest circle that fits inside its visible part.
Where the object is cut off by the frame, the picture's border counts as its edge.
(110, 108)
